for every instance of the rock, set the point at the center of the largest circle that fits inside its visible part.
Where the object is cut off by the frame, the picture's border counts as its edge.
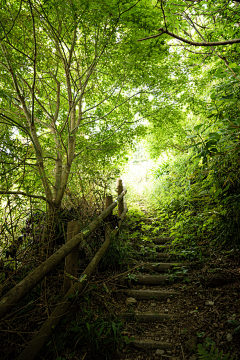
(169, 352)
(166, 311)
(159, 352)
(229, 337)
(191, 343)
(153, 304)
(131, 301)
(168, 300)
(210, 303)
(193, 357)
(205, 269)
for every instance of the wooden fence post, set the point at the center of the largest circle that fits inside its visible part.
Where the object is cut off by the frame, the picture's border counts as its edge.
(119, 190)
(71, 260)
(108, 202)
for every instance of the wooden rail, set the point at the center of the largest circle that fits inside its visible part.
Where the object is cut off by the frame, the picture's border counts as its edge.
(13, 296)
(71, 260)
(46, 330)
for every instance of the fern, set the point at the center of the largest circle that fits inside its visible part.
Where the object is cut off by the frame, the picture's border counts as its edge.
(213, 354)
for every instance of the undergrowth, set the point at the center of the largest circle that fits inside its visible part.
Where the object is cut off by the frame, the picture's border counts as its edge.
(208, 351)
(93, 332)
(117, 255)
(199, 202)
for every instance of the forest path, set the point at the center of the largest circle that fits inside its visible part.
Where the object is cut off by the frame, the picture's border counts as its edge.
(170, 305)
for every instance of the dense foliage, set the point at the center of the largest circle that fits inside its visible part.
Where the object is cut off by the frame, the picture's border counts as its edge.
(198, 185)
(75, 85)
(82, 83)
(78, 89)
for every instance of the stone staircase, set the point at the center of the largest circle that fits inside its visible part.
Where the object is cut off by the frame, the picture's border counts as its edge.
(147, 291)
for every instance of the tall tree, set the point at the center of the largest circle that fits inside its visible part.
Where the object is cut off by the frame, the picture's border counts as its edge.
(74, 79)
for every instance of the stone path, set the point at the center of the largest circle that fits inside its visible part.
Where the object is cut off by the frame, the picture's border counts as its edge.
(149, 289)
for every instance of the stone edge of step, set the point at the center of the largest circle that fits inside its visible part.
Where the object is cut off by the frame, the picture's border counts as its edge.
(145, 294)
(146, 316)
(152, 344)
(148, 279)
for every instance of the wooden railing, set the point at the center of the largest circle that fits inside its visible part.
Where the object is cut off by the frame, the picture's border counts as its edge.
(71, 290)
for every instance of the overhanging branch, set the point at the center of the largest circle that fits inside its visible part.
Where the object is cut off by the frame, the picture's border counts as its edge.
(194, 43)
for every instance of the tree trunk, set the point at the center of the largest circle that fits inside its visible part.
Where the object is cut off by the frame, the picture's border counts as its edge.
(49, 232)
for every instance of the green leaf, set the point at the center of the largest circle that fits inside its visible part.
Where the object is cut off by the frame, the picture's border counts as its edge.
(215, 135)
(232, 65)
(227, 97)
(237, 329)
(233, 322)
(191, 136)
(101, 329)
(197, 127)
(71, 296)
(114, 329)
(127, 340)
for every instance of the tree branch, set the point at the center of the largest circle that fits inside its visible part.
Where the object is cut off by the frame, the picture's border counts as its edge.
(34, 61)
(194, 43)
(22, 193)
(15, 123)
(13, 23)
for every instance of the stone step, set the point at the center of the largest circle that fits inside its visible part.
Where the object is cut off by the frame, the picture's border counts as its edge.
(167, 255)
(146, 316)
(155, 246)
(145, 294)
(151, 279)
(162, 239)
(158, 256)
(160, 267)
(146, 279)
(152, 344)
